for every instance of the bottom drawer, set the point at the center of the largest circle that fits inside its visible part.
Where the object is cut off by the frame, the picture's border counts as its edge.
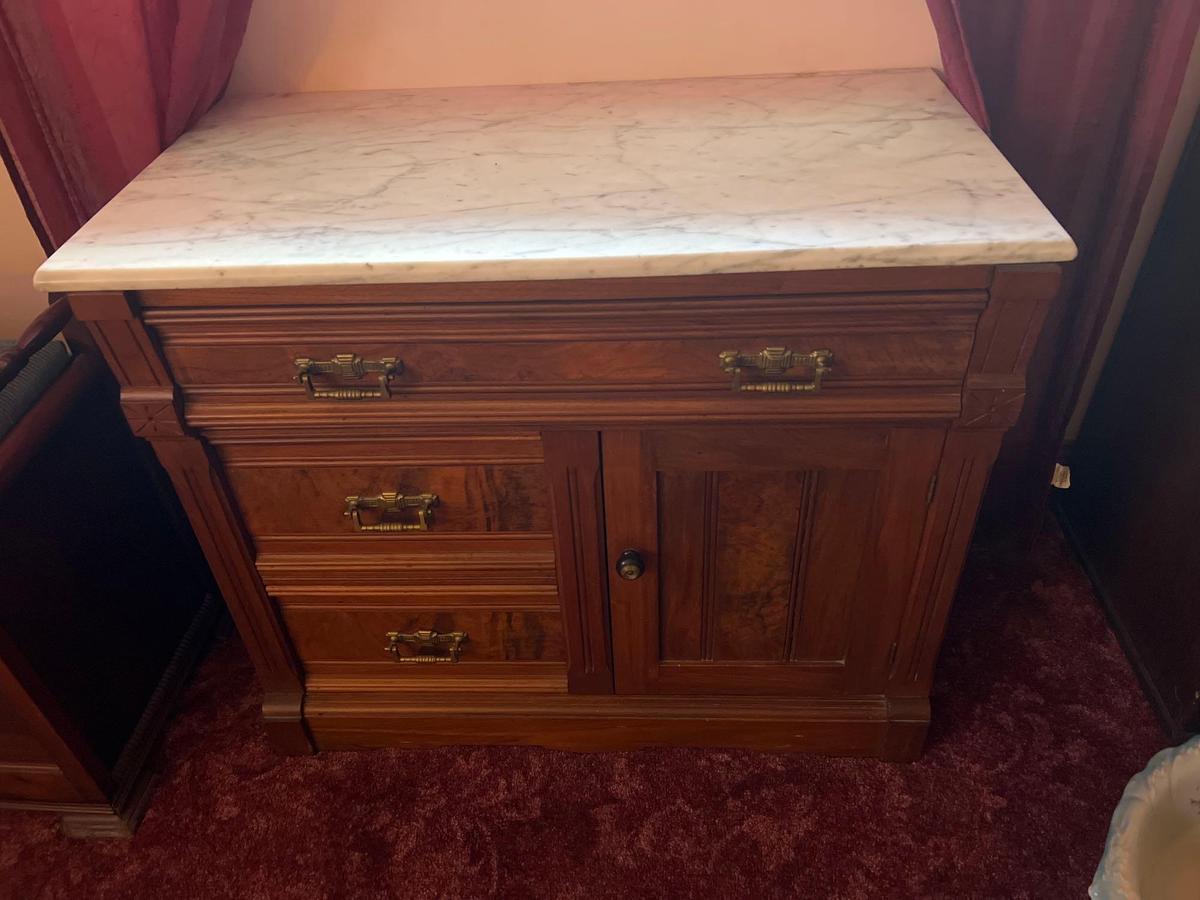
(345, 639)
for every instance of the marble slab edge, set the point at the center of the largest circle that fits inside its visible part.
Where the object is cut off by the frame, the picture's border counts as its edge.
(435, 272)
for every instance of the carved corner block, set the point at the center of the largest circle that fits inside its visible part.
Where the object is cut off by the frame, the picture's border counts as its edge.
(994, 391)
(991, 407)
(153, 412)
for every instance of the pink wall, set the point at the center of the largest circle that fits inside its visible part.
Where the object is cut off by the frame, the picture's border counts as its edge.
(311, 45)
(20, 254)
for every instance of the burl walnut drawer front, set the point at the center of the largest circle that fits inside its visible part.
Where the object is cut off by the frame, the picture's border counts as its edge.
(395, 489)
(419, 516)
(407, 559)
(358, 636)
(429, 362)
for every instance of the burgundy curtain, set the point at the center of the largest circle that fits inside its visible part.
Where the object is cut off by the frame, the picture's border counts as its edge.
(92, 90)
(1078, 95)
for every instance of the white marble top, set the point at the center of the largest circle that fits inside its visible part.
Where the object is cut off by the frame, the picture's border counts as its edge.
(684, 177)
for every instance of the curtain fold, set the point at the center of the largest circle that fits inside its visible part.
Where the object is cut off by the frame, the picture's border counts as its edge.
(1078, 96)
(956, 59)
(92, 90)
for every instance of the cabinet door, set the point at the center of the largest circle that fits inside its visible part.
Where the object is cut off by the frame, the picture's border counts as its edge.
(776, 560)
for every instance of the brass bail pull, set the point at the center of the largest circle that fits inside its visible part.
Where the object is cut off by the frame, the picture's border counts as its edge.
(347, 366)
(391, 503)
(772, 362)
(425, 646)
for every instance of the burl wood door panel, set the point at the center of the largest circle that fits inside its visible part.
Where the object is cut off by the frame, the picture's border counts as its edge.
(777, 559)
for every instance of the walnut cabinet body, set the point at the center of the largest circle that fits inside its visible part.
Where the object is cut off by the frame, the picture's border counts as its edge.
(790, 539)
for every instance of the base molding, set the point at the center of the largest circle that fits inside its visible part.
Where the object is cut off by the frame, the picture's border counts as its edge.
(99, 820)
(122, 818)
(284, 723)
(854, 726)
(134, 774)
(908, 725)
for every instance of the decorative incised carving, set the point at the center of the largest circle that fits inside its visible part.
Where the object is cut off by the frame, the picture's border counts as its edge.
(152, 412)
(991, 407)
(573, 466)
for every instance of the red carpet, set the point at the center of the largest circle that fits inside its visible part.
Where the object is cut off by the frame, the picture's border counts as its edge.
(1038, 723)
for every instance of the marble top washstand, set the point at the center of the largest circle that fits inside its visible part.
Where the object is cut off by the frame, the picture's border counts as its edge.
(681, 177)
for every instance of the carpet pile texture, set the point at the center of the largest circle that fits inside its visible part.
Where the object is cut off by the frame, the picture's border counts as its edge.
(1038, 724)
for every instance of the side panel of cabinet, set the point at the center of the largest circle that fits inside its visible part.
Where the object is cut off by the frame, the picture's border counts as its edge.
(777, 559)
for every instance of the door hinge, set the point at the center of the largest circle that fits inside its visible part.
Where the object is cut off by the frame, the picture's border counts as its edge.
(932, 488)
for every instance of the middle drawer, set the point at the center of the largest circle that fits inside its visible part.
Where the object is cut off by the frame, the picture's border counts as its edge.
(356, 539)
(407, 514)
(401, 487)
(400, 512)
(398, 489)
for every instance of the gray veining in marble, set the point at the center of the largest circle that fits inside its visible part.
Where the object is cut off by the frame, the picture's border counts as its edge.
(679, 177)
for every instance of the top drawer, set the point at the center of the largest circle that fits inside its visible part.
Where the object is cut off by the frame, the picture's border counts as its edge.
(597, 349)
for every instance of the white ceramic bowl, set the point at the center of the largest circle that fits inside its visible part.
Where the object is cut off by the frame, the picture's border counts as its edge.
(1153, 849)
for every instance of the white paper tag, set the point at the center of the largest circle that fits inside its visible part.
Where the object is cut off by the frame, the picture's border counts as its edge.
(1061, 478)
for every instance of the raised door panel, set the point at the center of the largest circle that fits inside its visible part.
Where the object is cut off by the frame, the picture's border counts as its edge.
(777, 559)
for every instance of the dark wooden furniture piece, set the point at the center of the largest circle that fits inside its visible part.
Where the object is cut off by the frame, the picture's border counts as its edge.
(103, 606)
(1135, 492)
(594, 514)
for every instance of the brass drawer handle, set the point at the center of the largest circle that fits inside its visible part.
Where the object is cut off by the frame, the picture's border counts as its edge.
(425, 644)
(348, 365)
(392, 502)
(771, 362)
